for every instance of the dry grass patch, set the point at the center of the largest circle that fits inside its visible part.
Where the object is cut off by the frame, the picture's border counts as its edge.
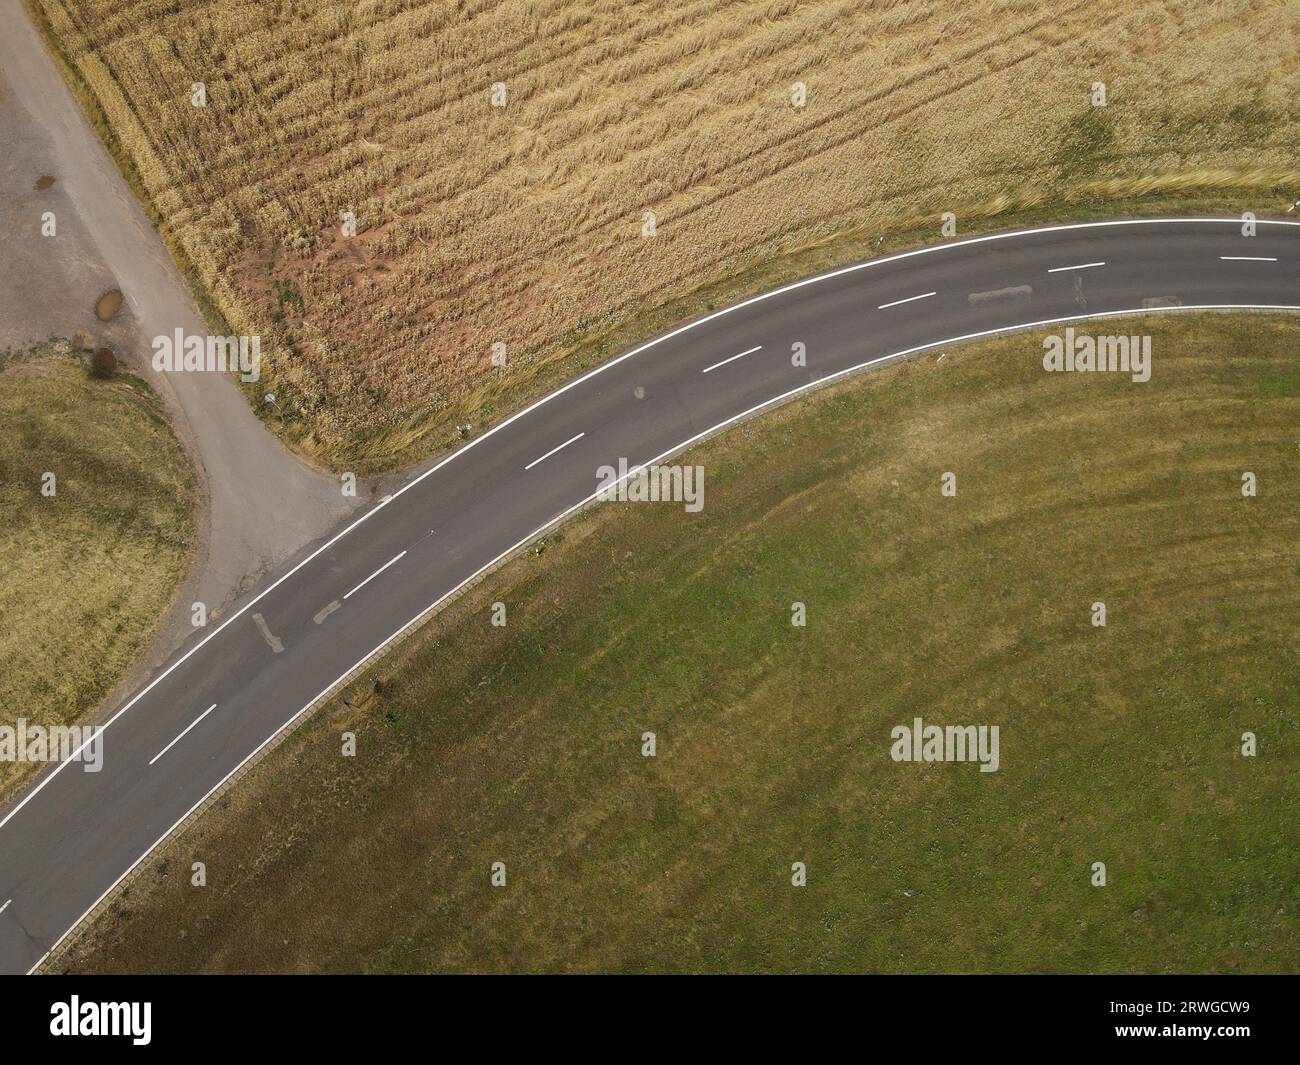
(89, 572)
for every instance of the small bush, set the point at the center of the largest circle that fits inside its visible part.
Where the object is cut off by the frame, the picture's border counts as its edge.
(103, 364)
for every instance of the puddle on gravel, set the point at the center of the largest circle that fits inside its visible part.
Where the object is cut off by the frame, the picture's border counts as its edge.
(43, 183)
(108, 304)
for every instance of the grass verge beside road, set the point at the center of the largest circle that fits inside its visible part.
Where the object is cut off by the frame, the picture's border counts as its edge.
(91, 570)
(1121, 745)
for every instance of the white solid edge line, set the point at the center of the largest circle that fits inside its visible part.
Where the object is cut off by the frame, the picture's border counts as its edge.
(578, 506)
(732, 359)
(554, 450)
(375, 574)
(928, 249)
(1080, 266)
(183, 732)
(1249, 258)
(922, 296)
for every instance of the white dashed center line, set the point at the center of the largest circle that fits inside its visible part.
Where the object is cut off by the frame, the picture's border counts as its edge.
(376, 573)
(6, 905)
(181, 736)
(1081, 266)
(554, 450)
(1249, 258)
(923, 295)
(748, 351)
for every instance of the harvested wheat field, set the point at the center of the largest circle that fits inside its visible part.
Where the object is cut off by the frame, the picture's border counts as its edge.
(525, 224)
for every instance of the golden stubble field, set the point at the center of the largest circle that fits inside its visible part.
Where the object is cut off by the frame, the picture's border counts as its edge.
(524, 224)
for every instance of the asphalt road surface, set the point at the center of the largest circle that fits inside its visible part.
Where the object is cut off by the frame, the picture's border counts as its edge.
(74, 835)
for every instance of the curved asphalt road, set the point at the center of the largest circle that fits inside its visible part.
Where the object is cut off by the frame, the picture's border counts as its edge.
(74, 834)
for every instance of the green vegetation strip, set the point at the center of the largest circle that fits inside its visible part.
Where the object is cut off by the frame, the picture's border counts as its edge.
(1119, 745)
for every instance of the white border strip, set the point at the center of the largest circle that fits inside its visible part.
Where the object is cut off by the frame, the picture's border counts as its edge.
(604, 488)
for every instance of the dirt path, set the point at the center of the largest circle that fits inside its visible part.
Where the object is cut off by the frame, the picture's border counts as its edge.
(262, 504)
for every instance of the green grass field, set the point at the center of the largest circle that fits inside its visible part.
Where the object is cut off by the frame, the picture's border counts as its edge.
(1119, 744)
(90, 571)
